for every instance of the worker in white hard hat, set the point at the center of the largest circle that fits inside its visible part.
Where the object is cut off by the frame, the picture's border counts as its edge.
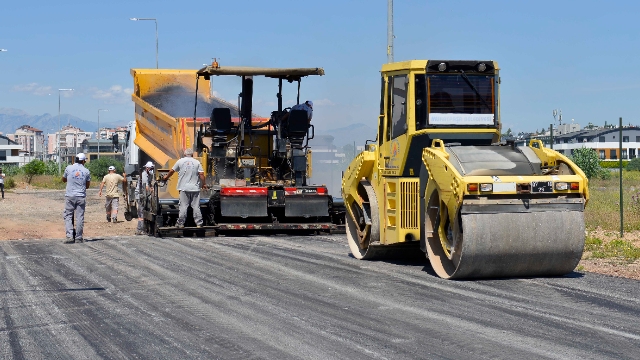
(190, 181)
(78, 178)
(112, 195)
(143, 190)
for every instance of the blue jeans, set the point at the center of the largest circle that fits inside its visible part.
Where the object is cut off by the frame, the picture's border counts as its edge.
(74, 204)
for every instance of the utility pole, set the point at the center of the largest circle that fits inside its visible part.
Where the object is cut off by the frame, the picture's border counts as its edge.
(620, 172)
(390, 31)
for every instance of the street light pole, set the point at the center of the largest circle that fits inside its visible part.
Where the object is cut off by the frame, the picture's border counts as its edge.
(390, 31)
(156, 21)
(99, 130)
(60, 131)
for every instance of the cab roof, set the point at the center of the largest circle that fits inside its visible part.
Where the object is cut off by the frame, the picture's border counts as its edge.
(290, 74)
(421, 65)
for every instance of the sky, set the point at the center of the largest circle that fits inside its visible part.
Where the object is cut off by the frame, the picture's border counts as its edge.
(577, 56)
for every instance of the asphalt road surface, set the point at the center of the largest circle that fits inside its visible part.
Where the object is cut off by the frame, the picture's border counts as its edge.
(287, 297)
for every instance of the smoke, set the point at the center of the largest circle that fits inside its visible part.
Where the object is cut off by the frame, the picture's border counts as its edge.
(177, 101)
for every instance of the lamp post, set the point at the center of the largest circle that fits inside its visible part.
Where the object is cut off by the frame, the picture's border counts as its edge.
(156, 21)
(99, 130)
(60, 131)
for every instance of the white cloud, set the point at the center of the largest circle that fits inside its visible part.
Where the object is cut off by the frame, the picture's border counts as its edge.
(33, 88)
(115, 94)
(323, 102)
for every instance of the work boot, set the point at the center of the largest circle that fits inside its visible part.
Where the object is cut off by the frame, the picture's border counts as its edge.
(140, 232)
(179, 226)
(68, 241)
(80, 241)
(108, 218)
(115, 220)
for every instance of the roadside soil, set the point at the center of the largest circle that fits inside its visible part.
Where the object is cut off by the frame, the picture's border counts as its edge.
(612, 266)
(37, 214)
(28, 213)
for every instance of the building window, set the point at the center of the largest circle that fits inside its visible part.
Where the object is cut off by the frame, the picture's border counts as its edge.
(613, 154)
(637, 138)
(632, 153)
(602, 155)
(625, 139)
(624, 153)
(601, 138)
(3, 155)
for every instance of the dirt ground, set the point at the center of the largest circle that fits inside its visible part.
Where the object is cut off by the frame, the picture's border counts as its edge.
(613, 267)
(37, 214)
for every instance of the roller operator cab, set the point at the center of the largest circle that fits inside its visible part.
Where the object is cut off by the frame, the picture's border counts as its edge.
(439, 176)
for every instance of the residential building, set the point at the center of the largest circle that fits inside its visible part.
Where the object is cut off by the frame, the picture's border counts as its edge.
(107, 148)
(31, 139)
(11, 152)
(606, 142)
(69, 139)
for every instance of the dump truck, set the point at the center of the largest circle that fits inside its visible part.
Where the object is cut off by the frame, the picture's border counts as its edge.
(257, 169)
(439, 177)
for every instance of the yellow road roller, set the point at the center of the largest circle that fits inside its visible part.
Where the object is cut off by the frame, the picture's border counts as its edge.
(440, 176)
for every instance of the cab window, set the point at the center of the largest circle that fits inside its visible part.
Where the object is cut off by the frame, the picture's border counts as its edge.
(398, 105)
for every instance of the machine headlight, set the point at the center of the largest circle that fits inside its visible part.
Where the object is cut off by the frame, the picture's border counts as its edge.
(486, 187)
(482, 67)
(561, 186)
(442, 67)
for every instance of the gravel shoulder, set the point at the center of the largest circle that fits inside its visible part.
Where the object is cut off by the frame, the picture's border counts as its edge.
(37, 214)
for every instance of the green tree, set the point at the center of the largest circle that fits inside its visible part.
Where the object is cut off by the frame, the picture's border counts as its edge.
(587, 160)
(33, 168)
(100, 167)
(634, 165)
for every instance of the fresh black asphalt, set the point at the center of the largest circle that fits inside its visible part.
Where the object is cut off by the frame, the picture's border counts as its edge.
(292, 297)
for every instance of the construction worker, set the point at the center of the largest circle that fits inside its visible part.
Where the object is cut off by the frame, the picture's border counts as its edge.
(2, 183)
(112, 194)
(78, 179)
(190, 181)
(143, 188)
(306, 106)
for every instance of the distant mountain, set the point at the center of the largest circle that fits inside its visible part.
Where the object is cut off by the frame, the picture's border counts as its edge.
(358, 133)
(11, 119)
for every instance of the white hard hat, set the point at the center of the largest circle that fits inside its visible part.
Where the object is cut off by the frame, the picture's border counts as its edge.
(112, 168)
(149, 164)
(81, 157)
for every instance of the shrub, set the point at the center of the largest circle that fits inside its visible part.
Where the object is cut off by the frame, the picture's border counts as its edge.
(604, 174)
(100, 167)
(9, 183)
(34, 167)
(51, 168)
(613, 164)
(587, 160)
(634, 165)
(11, 170)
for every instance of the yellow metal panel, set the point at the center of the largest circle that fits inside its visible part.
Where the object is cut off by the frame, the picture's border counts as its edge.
(409, 206)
